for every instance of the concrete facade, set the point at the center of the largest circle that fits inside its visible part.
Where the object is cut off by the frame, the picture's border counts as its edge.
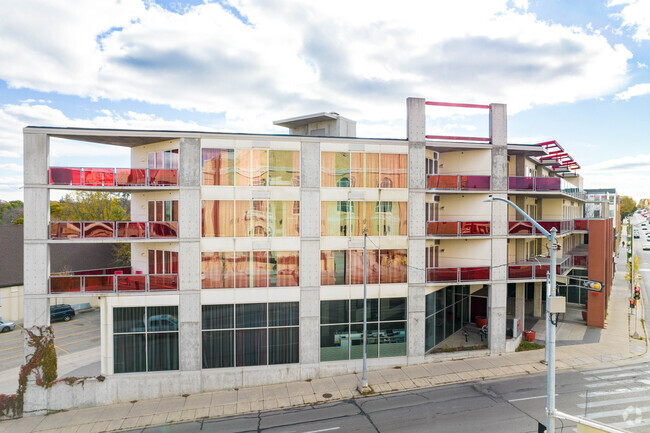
(483, 259)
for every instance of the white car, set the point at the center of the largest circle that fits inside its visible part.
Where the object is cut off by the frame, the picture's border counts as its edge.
(6, 326)
(646, 246)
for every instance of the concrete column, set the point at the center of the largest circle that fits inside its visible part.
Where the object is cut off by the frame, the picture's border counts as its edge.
(189, 264)
(497, 310)
(520, 300)
(416, 123)
(309, 258)
(537, 300)
(36, 258)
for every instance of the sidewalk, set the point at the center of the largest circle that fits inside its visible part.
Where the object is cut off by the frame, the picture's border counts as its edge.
(615, 347)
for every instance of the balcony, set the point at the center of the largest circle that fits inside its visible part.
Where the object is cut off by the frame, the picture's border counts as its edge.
(112, 177)
(457, 182)
(581, 225)
(65, 230)
(544, 184)
(537, 267)
(458, 275)
(526, 228)
(458, 228)
(116, 283)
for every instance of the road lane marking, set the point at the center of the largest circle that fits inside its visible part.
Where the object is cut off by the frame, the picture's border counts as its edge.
(11, 357)
(530, 398)
(607, 370)
(604, 403)
(614, 376)
(60, 348)
(322, 430)
(79, 341)
(615, 391)
(617, 383)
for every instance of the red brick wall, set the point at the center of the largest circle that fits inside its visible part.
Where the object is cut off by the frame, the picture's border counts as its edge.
(600, 268)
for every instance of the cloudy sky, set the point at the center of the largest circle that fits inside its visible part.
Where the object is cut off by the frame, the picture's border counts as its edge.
(574, 71)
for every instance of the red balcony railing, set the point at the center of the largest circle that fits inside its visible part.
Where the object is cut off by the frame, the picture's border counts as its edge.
(581, 225)
(113, 229)
(580, 261)
(458, 228)
(520, 228)
(115, 283)
(534, 270)
(456, 275)
(520, 183)
(457, 182)
(74, 176)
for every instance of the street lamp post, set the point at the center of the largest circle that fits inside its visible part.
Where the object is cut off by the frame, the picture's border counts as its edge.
(550, 328)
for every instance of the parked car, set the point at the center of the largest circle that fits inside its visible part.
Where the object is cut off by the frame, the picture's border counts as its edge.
(61, 312)
(646, 246)
(6, 326)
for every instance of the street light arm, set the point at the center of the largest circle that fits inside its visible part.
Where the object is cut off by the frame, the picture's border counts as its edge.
(524, 214)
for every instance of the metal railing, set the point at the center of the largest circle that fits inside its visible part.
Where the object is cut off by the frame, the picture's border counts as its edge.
(80, 176)
(458, 182)
(458, 275)
(524, 183)
(116, 283)
(113, 229)
(526, 228)
(458, 228)
(536, 268)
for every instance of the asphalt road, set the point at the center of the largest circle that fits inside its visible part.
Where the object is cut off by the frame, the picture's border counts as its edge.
(617, 396)
(78, 334)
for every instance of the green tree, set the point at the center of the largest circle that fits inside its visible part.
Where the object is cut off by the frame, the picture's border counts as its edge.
(11, 212)
(89, 206)
(628, 206)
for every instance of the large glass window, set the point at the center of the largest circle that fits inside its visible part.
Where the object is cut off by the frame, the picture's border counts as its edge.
(284, 168)
(346, 267)
(246, 218)
(218, 218)
(145, 339)
(348, 218)
(393, 169)
(249, 269)
(446, 311)
(251, 167)
(364, 170)
(250, 334)
(218, 166)
(342, 328)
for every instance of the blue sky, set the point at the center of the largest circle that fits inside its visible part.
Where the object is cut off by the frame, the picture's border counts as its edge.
(574, 71)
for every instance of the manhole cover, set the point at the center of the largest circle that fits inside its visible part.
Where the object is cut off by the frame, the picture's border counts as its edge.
(327, 395)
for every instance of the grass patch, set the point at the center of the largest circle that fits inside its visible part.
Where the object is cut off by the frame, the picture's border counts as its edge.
(459, 349)
(528, 345)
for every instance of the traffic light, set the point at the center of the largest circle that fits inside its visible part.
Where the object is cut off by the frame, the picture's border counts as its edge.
(632, 303)
(637, 292)
(595, 286)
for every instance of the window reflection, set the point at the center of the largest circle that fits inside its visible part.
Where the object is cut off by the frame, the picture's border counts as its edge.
(218, 166)
(364, 170)
(250, 269)
(245, 218)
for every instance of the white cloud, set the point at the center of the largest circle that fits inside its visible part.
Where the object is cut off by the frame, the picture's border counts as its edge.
(636, 90)
(629, 175)
(361, 59)
(634, 15)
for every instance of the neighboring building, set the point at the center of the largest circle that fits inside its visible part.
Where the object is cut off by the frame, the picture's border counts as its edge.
(64, 259)
(247, 261)
(604, 203)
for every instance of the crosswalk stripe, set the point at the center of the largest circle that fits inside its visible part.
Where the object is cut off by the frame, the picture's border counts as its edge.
(604, 403)
(619, 375)
(607, 370)
(617, 412)
(616, 391)
(617, 383)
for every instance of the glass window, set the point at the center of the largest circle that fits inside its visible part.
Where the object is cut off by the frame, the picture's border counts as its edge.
(392, 339)
(218, 166)
(393, 170)
(364, 170)
(356, 310)
(250, 315)
(250, 347)
(284, 268)
(283, 314)
(242, 269)
(284, 168)
(284, 218)
(393, 309)
(283, 345)
(260, 269)
(393, 218)
(259, 216)
(251, 167)
(356, 340)
(334, 311)
(393, 266)
(243, 218)
(145, 345)
(355, 266)
(218, 349)
(334, 218)
(217, 218)
(364, 214)
(332, 267)
(217, 316)
(217, 270)
(334, 342)
(335, 169)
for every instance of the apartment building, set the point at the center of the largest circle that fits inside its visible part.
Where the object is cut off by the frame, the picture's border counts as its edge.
(247, 249)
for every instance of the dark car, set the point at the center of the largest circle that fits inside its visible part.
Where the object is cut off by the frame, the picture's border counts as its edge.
(61, 312)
